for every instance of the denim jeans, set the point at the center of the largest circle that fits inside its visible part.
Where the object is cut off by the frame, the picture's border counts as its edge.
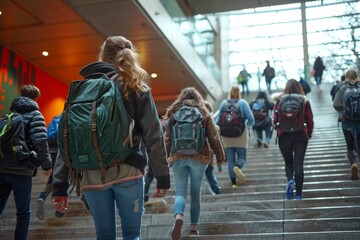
(259, 133)
(235, 157)
(128, 197)
(182, 170)
(211, 177)
(21, 187)
(149, 177)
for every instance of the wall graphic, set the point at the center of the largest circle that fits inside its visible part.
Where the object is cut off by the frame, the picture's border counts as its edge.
(16, 71)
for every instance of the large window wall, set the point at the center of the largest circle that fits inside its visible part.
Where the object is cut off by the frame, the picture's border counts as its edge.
(276, 34)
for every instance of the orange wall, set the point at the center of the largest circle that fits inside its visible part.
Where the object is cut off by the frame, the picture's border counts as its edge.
(16, 71)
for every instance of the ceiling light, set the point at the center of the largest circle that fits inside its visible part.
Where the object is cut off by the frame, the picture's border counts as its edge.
(154, 75)
(45, 53)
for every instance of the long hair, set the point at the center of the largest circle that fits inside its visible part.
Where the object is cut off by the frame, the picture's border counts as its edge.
(120, 52)
(189, 93)
(234, 92)
(293, 86)
(351, 76)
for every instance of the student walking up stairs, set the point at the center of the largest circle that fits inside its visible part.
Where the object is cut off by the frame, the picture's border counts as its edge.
(257, 209)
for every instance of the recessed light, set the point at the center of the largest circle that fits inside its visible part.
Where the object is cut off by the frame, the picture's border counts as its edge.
(45, 53)
(154, 75)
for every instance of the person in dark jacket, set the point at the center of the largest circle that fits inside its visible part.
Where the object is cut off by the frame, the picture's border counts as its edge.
(191, 166)
(124, 184)
(269, 74)
(350, 127)
(261, 108)
(209, 172)
(318, 70)
(18, 179)
(53, 149)
(293, 144)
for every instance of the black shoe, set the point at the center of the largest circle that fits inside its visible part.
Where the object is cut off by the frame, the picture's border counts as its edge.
(58, 214)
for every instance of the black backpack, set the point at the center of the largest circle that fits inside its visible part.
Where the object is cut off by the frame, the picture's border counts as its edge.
(232, 121)
(290, 114)
(259, 109)
(352, 102)
(187, 134)
(13, 142)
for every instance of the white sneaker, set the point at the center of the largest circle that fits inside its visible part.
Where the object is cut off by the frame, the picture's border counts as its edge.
(155, 201)
(40, 209)
(240, 175)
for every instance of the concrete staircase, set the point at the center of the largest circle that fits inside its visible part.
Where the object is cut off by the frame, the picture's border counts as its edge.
(330, 208)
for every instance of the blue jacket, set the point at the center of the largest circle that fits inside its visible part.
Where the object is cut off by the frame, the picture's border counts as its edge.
(245, 108)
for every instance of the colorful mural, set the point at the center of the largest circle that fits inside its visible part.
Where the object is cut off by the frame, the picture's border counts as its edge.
(16, 71)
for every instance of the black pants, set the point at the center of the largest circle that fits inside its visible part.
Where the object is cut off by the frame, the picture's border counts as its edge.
(350, 144)
(293, 147)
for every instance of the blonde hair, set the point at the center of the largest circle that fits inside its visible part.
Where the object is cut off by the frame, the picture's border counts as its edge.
(120, 52)
(30, 91)
(234, 92)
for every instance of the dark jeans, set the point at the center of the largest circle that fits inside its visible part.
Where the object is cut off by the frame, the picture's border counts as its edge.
(350, 144)
(268, 81)
(149, 177)
(210, 175)
(48, 187)
(318, 79)
(21, 187)
(293, 147)
(243, 86)
(259, 134)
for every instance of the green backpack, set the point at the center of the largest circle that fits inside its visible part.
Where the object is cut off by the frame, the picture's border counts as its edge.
(95, 128)
(187, 134)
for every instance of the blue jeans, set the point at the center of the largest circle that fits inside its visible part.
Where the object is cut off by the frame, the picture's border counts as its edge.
(211, 177)
(182, 170)
(259, 133)
(235, 157)
(21, 187)
(128, 197)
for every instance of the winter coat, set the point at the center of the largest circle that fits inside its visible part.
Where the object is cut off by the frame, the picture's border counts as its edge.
(148, 143)
(36, 135)
(212, 136)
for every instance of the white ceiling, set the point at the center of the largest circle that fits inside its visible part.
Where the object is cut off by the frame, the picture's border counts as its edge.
(72, 31)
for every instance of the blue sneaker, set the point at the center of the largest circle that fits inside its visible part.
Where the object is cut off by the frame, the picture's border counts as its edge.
(290, 189)
(298, 197)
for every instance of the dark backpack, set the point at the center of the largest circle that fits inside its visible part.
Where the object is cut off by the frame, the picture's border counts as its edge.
(232, 121)
(13, 142)
(187, 134)
(352, 102)
(305, 86)
(259, 109)
(334, 90)
(95, 127)
(291, 112)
